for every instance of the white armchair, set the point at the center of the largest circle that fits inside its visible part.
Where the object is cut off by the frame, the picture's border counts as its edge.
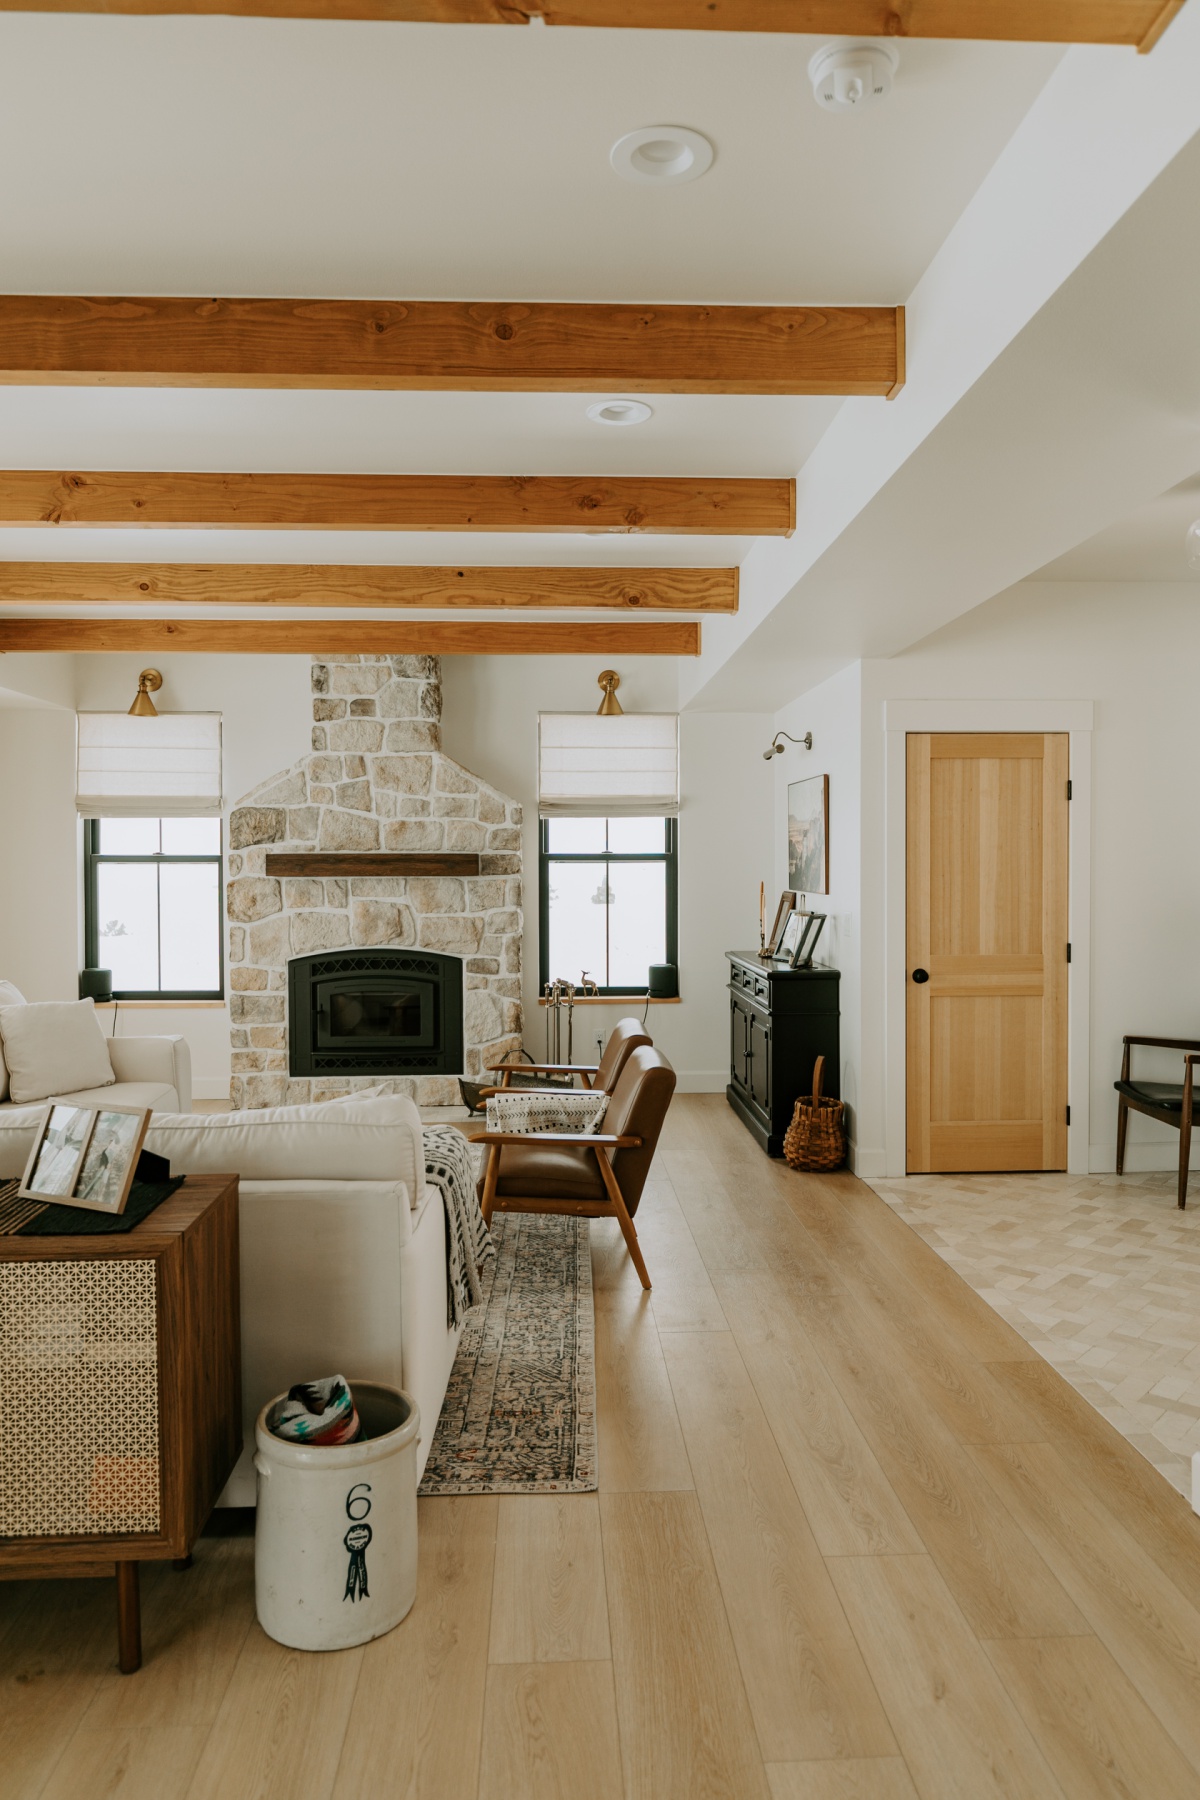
(343, 1246)
(343, 1250)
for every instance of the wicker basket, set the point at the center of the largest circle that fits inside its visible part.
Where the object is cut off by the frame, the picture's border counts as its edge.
(816, 1137)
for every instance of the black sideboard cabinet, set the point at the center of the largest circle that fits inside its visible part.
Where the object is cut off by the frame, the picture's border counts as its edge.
(780, 1021)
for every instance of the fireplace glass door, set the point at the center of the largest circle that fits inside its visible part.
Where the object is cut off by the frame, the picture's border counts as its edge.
(364, 1013)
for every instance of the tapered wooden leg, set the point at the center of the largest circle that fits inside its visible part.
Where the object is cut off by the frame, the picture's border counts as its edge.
(129, 1619)
(1185, 1145)
(1122, 1127)
(622, 1212)
(491, 1176)
(182, 1563)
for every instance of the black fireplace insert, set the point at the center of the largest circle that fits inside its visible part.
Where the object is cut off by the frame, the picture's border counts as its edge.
(375, 1012)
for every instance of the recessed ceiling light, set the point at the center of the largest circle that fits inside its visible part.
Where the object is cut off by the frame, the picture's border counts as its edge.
(620, 412)
(661, 153)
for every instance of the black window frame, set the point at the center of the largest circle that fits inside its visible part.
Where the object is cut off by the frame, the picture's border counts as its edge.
(669, 856)
(93, 856)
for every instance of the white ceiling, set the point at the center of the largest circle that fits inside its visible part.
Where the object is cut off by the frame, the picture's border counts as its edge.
(390, 433)
(1148, 545)
(251, 156)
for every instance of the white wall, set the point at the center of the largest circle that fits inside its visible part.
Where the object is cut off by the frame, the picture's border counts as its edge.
(40, 936)
(833, 713)
(490, 725)
(265, 701)
(1133, 649)
(266, 707)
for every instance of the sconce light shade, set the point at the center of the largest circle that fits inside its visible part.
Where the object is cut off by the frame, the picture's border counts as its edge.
(149, 682)
(610, 707)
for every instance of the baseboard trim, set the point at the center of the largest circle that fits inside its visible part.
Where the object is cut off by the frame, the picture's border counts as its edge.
(206, 1087)
(871, 1165)
(701, 1081)
(1140, 1159)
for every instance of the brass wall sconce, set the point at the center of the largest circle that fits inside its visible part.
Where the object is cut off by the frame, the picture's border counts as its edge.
(610, 707)
(777, 748)
(149, 682)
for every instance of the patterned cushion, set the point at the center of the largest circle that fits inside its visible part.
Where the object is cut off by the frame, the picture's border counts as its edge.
(536, 1110)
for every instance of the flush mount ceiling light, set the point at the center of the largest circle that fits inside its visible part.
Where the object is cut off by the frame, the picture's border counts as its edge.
(661, 153)
(620, 412)
(849, 77)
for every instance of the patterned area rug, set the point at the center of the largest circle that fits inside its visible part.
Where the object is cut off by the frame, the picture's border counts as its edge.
(520, 1411)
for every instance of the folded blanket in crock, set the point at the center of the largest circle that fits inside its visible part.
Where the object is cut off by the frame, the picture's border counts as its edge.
(317, 1412)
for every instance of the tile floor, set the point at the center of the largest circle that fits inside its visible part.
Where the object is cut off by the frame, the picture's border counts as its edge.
(1099, 1273)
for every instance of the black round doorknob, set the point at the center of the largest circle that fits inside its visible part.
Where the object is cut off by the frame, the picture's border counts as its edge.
(920, 975)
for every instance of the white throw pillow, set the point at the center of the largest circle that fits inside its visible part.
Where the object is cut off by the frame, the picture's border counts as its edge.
(53, 1047)
(9, 996)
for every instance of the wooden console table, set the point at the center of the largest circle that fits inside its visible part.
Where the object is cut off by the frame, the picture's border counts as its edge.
(120, 1377)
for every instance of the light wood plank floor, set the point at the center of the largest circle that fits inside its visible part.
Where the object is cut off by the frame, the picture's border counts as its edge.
(854, 1540)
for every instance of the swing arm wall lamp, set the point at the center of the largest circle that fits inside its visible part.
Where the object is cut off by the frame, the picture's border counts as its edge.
(777, 748)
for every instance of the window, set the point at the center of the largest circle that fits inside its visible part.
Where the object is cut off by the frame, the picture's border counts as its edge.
(608, 894)
(152, 906)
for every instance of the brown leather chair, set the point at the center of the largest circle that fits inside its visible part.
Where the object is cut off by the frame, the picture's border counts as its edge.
(594, 1175)
(626, 1035)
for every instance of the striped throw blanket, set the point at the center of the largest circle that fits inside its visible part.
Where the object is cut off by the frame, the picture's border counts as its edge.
(450, 1167)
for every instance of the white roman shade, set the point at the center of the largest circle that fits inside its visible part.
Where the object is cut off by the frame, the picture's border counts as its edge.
(622, 767)
(130, 768)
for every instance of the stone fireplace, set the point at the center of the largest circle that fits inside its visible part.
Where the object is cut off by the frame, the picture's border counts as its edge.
(312, 925)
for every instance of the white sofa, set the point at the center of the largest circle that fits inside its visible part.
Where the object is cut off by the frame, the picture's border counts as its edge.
(154, 1072)
(343, 1246)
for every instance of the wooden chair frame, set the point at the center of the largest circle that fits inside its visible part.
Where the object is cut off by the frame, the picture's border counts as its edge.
(1180, 1121)
(584, 1209)
(507, 1070)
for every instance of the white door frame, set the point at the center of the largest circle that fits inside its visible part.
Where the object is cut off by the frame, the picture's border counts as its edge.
(899, 718)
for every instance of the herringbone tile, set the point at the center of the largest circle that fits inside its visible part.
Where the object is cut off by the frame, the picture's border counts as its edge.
(1099, 1273)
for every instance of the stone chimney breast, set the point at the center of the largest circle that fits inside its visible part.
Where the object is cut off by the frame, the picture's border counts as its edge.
(376, 780)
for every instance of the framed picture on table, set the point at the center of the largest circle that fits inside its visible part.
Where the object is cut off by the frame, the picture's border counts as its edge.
(86, 1156)
(787, 901)
(789, 941)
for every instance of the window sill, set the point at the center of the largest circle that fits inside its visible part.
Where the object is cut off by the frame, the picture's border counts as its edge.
(618, 1000)
(165, 1005)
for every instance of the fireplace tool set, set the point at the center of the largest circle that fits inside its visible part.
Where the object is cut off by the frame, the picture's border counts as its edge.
(560, 998)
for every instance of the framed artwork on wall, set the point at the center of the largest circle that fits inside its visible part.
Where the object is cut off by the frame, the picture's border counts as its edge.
(808, 835)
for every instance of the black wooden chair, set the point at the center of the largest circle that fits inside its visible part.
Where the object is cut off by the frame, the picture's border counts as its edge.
(1170, 1102)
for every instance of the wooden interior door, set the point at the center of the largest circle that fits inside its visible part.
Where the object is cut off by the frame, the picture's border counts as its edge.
(987, 951)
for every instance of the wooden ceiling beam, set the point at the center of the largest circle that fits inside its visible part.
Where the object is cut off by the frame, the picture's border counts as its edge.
(341, 637)
(344, 585)
(1130, 22)
(683, 506)
(506, 346)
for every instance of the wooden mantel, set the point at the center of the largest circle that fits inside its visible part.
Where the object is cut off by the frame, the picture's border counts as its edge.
(373, 862)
